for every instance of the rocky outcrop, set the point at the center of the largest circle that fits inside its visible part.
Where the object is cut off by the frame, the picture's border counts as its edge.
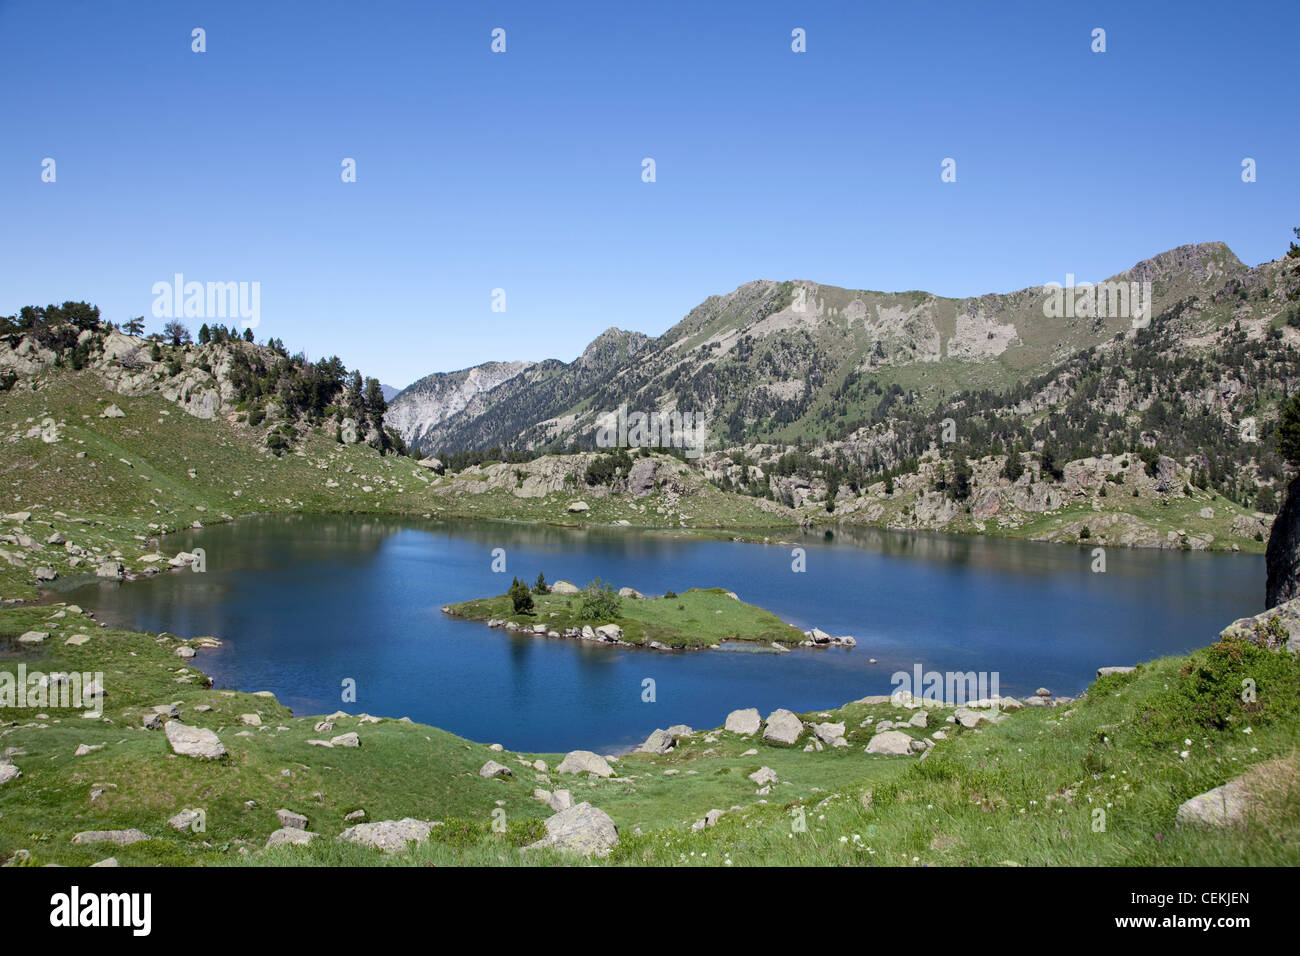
(1262, 630)
(1283, 554)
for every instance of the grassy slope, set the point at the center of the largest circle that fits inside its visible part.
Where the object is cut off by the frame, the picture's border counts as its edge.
(133, 481)
(1021, 792)
(695, 618)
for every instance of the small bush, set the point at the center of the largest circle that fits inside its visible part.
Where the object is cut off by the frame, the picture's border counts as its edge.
(599, 602)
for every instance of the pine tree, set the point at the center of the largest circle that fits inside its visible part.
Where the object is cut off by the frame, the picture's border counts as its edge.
(1014, 467)
(520, 597)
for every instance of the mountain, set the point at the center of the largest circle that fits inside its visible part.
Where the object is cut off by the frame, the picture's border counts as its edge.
(418, 410)
(389, 392)
(784, 361)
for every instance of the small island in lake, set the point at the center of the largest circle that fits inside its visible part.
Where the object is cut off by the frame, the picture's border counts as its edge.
(695, 619)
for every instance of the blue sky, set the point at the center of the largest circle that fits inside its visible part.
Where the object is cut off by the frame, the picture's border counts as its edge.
(522, 170)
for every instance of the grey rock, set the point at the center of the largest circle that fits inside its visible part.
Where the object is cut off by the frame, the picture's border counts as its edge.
(783, 727)
(584, 761)
(290, 820)
(743, 722)
(891, 742)
(1282, 556)
(193, 741)
(290, 836)
(580, 829)
(494, 769)
(391, 836)
(659, 742)
(1221, 807)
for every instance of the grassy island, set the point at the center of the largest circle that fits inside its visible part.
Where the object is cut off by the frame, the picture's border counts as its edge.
(697, 618)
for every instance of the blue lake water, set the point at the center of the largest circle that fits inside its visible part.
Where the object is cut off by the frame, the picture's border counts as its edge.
(303, 603)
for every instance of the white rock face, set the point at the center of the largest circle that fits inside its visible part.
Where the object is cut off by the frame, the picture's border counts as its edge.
(418, 409)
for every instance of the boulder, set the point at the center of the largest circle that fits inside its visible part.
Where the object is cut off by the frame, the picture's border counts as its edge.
(1260, 628)
(112, 412)
(783, 727)
(969, 718)
(584, 761)
(493, 769)
(609, 633)
(290, 820)
(565, 587)
(659, 742)
(743, 722)
(1103, 671)
(891, 742)
(632, 593)
(346, 740)
(290, 836)
(579, 829)
(920, 719)
(763, 776)
(579, 507)
(828, 733)
(193, 741)
(391, 836)
(33, 637)
(9, 772)
(1221, 807)
(184, 820)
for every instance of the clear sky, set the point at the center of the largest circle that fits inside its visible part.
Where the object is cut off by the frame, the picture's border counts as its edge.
(523, 170)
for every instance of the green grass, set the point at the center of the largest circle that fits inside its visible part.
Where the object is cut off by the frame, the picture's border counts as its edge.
(695, 618)
(1023, 791)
